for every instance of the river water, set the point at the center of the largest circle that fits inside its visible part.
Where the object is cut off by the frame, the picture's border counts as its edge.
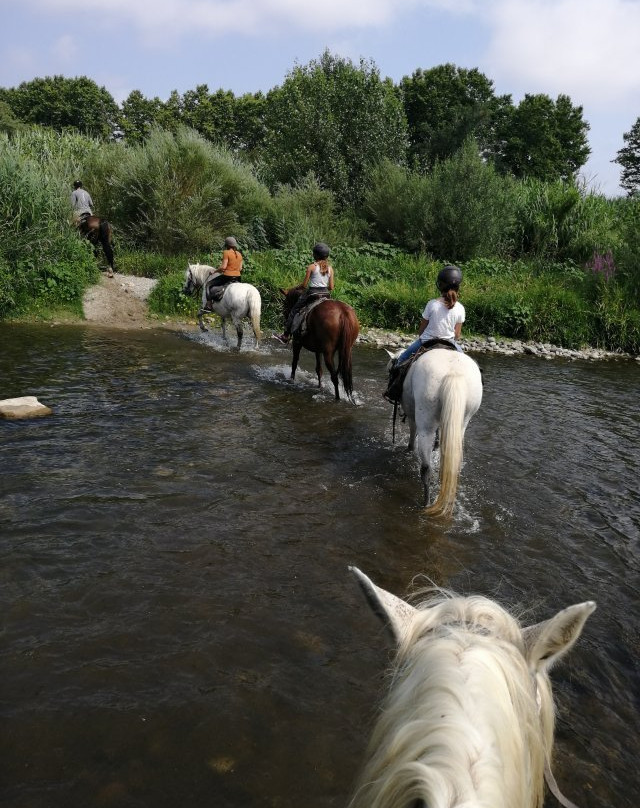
(179, 625)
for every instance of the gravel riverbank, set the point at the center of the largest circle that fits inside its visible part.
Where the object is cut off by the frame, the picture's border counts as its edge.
(496, 345)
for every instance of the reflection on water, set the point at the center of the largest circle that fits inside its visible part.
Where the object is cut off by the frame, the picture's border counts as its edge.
(179, 624)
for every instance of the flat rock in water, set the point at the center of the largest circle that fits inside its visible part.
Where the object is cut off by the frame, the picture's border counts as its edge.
(24, 407)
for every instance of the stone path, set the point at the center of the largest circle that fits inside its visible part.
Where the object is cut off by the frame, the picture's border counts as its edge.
(119, 302)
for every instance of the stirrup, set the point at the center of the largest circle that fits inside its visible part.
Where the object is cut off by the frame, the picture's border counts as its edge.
(282, 338)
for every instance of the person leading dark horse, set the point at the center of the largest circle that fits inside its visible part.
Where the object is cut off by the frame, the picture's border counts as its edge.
(97, 230)
(82, 205)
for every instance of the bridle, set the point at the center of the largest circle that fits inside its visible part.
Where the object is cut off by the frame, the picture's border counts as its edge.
(548, 774)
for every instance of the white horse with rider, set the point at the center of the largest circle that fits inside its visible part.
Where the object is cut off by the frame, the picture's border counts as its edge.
(469, 717)
(239, 300)
(440, 394)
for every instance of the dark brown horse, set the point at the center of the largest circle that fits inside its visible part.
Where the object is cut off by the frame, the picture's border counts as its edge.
(100, 233)
(332, 327)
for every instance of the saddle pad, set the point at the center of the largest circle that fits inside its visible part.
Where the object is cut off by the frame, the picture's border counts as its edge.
(299, 325)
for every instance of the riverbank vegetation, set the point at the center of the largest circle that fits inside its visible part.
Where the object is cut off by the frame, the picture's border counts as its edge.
(379, 172)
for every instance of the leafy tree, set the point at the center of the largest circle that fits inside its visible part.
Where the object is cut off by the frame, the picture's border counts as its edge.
(63, 103)
(543, 139)
(8, 121)
(444, 106)
(170, 113)
(139, 116)
(629, 158)
(249, 131)
(335, 120)
(459, 210)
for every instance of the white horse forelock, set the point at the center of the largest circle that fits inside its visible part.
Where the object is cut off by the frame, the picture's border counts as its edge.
(465, 723)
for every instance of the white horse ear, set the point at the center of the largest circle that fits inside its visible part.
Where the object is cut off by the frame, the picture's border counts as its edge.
(395, 613)
(546, 642)
(392, 355)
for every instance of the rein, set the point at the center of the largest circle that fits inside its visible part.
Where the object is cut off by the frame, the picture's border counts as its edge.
(395, 416)
(553, 786)
(550, 780)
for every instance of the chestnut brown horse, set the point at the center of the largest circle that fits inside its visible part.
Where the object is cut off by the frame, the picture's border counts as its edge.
(331, 327)
(99, 232)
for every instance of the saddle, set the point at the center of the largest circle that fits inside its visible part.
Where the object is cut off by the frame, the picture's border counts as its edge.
(216, 293)
(299, 324)
(398, 372)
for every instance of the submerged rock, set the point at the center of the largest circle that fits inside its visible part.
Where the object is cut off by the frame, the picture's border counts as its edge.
(23, 407)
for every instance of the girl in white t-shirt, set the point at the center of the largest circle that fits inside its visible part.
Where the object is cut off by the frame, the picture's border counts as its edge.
(443, 316)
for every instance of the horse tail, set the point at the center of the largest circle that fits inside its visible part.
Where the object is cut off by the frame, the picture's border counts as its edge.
(105, 233)
(348, 335)
(255, 309)
(453, 406)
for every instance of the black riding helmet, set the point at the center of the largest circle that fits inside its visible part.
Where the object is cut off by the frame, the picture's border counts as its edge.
(449, 277)
(321, 251)
(77, 184)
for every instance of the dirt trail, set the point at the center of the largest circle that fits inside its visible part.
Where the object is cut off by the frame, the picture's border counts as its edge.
(119, 302)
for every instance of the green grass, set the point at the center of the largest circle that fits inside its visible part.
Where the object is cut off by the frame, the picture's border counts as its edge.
(558, 303)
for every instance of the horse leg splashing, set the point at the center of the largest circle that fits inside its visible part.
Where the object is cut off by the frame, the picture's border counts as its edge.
(469, 719)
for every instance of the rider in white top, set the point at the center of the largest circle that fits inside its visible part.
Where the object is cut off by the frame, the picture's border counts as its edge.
(442, 317)
(441, 320)
(318, 282)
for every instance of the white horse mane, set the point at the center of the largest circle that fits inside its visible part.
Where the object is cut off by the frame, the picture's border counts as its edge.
(468, 720)
(202, 272)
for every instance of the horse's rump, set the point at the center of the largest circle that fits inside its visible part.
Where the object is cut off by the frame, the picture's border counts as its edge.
(100, 233)
(442, 390)
(331, 327)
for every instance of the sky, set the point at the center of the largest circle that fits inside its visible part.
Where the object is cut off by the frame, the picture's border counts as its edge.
(587, 49)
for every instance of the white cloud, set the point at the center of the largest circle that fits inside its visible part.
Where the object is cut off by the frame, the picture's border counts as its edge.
(64, 50)
(167, 18)
(585, 48)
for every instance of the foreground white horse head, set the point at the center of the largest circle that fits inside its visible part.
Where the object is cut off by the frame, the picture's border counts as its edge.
(468, 721)
(240, 300)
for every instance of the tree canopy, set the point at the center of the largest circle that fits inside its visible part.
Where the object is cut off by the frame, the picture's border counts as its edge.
(63, 103)
(444, 106)
(542, 139)
(629, 158)
(335, 120)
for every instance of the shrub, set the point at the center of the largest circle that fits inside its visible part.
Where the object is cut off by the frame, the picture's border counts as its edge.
(42, 258)
(469, 207)
(558, 221)
(179, 193)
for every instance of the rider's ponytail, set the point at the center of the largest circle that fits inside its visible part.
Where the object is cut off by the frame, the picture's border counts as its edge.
(450, 298)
